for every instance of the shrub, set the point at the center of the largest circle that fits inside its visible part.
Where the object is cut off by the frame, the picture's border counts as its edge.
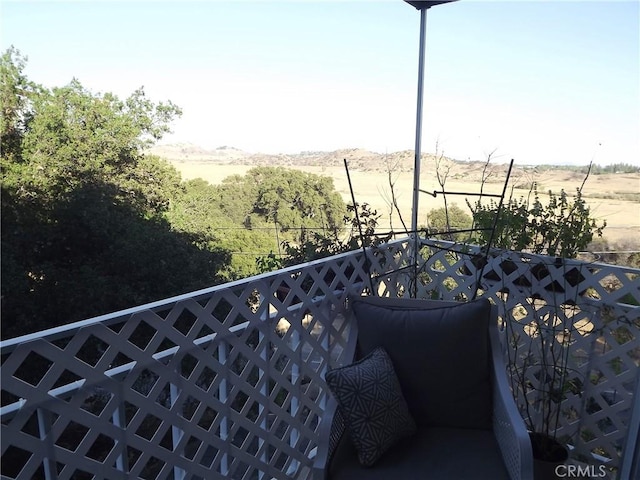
(562, 227)
(449, 221)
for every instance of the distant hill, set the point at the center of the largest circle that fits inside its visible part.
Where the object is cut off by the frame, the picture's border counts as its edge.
(365, 160)
(358, 159)
(400, 162)
(188, 152)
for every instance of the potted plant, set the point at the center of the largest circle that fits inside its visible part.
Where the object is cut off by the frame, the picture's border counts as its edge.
(540, 331)
(544, 311)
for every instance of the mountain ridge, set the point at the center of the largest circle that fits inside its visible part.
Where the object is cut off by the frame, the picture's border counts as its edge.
(358, 158)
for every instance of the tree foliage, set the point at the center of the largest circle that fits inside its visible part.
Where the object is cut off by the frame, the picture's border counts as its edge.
(290, 199)
(84, 228)
(360, 232)
(595, 169)
(16, 92)
(449, 219)
(253, 214)
(561, 227)
(208, 211)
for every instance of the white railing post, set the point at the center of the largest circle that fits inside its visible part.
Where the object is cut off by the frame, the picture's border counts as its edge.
(44, 428)
(264, 391)
(222, 393)
(327, 353)
(176, 432)
(118, 418)
(295, 383)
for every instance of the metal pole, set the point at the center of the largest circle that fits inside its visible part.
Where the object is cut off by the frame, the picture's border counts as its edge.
(367, 264)
(416, 166)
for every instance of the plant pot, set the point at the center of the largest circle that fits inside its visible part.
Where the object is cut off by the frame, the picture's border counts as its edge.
(548, 454)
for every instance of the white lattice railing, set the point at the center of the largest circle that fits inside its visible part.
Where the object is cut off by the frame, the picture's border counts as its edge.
(588, 311)
(228, 382)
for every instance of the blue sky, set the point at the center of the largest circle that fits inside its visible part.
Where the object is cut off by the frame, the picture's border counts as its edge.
(540, 82)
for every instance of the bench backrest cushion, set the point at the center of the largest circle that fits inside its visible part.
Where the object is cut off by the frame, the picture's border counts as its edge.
(441, 356)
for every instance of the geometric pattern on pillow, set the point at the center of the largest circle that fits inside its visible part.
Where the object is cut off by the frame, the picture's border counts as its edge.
(375, 411)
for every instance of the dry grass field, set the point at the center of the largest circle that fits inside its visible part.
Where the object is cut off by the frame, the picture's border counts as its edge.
(611, 197)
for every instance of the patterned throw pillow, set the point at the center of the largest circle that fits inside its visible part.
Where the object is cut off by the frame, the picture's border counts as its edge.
(375, 412)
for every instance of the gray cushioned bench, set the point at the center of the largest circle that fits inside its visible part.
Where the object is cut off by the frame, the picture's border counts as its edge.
(449, 364)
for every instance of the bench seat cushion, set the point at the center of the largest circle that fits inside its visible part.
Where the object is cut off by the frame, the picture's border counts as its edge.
(432, 453)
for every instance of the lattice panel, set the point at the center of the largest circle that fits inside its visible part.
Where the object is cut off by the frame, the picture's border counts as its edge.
(228, 382)
(589, 308)
(223, 383)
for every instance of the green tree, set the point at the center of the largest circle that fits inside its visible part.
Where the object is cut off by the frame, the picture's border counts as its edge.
(292, 199)
(84, 211)
(360, 232)
(207, 210)
(251, 215)
(444, 220)
(15, 94)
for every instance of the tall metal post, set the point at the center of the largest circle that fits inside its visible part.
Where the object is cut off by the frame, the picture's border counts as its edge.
(423, 6)
(418, 151)
(416, 165)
